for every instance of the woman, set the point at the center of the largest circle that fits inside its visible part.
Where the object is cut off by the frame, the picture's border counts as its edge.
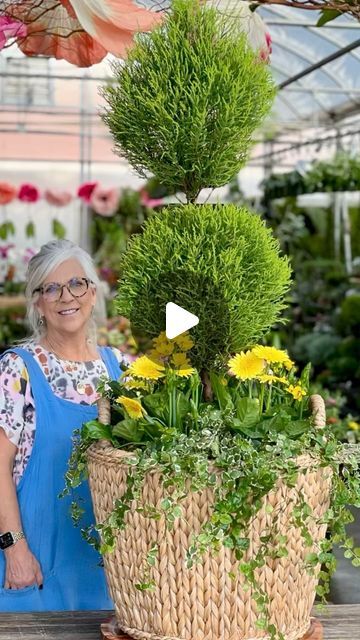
(48, 389)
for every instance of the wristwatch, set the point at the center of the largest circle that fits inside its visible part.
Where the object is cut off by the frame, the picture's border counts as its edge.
(9, 538)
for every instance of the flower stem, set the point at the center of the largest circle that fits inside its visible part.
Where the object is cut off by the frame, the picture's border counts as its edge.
(261, 398)
(268, 401)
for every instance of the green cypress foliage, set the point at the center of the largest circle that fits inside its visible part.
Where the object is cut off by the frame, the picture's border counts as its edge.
(219, 262)
(187, 100)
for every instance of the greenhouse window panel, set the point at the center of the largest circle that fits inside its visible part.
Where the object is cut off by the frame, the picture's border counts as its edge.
(330, 91)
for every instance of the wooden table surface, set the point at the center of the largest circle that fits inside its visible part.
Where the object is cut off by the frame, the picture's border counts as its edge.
(341, 622)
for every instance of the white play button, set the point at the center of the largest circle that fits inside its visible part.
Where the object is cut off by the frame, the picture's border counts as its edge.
(178, 320)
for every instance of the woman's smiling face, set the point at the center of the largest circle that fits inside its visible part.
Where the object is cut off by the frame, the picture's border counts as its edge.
(69, 314)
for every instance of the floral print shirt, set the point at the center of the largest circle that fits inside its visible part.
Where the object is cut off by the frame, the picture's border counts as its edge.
(77, 383)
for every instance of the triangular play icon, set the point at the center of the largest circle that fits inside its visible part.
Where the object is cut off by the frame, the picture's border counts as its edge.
(178, 320)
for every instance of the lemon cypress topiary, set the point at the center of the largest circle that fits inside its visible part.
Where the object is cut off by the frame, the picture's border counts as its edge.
(219, 262)
(187, 100)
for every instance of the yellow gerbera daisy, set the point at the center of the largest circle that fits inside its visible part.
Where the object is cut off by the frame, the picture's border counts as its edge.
(135, 384)
(265, 377)
(154, 356)
(184, 372)
(180, 360)
(288, 364)
(132, 407)
(296, 391)
(160, 340)
(184, 342)
(246, 366)
(271, 354)
(145, 368)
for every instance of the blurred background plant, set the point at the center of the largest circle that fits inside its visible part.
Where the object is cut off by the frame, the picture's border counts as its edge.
(323, 318)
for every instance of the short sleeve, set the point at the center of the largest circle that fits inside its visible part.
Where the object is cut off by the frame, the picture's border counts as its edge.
(15, 396)
(121, 357)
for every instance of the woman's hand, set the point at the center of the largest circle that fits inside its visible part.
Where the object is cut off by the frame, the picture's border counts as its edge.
(22, 568)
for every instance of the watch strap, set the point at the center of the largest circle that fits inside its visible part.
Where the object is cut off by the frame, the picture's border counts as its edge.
(9, 538)
(17, 535)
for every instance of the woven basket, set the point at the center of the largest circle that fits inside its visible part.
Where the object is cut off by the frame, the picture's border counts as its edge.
(204, 603)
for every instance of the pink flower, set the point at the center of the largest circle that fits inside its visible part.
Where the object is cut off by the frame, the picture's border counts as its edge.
(104, 201)
(146, 201)
(85, 191)
(4, 250)
(57, 198)
(266, 50)
(10, 28)
(28, 254)
(54, 31)
(28, 193)
(113, 23)
(7, 192)
(80, 32)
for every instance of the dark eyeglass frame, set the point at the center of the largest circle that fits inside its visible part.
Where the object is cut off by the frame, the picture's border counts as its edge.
(67, 285)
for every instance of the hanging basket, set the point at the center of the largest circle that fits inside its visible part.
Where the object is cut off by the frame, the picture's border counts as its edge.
(205, 602)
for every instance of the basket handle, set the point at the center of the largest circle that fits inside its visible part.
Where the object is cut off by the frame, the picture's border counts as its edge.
(104, 410)
(317, 406)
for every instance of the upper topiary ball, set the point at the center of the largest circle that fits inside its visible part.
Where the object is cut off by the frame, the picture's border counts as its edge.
(219, 262)
(188, 98)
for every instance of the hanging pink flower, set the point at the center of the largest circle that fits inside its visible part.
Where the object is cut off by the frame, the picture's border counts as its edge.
(266, 51)
(4, 250)
(54, 31)
(28, 193)
(85, 190)
(104, 201)
(146, 201)
(7, 192)
(28, 254)
(10, 28)
(112, 23)
(57, 198)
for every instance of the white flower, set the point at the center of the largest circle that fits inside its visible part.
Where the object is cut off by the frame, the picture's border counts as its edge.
(248, 21)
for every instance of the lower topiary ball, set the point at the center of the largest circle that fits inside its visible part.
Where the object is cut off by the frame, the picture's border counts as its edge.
(219, 262)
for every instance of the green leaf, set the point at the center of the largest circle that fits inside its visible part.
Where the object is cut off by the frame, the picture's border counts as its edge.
(327, 15)
(30, 230)
(220, 391)
(129, 430)
(58, 229)
(95, 430)
(157, 405)
(247, 410)
(305, 376)
(10, 227)
(297, 427)
(166, 504)
(183, 406)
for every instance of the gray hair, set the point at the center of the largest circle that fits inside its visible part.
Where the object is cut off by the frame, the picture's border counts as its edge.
(41, 264)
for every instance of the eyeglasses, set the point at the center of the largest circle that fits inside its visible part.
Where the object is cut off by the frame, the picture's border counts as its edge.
(53, 291)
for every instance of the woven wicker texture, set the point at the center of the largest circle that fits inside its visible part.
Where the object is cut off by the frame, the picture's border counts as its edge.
(205, 603)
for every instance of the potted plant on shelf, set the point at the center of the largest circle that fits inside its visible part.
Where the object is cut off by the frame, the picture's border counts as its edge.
(212, 472)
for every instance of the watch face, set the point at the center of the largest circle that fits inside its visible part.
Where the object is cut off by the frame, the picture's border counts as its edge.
(6, 540)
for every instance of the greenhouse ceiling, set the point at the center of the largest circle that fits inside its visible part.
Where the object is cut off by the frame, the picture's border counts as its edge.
(317, 69)
(327, 94)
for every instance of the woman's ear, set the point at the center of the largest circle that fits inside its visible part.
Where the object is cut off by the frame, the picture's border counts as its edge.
(93, 296)
(39, 308)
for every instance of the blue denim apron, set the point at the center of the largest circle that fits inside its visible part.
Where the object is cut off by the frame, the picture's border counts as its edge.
(73, 579)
